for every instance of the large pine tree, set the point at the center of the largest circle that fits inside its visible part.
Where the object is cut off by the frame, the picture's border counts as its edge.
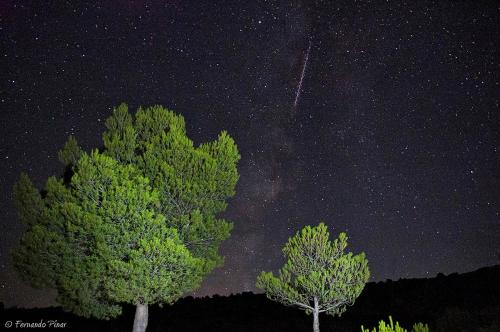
(136, 223)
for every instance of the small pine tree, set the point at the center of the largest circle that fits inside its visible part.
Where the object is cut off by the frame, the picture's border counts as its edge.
(318, 276)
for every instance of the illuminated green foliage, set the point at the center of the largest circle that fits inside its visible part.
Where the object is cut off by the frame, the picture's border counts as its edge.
(100, 240)
(135, 223)
(193, 182)
(317, 276)
(390, 327)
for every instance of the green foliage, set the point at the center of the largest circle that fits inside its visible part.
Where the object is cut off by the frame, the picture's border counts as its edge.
(135, 223)
(120, 139)
(101, 241)
(420, 327)
(30, 257)
(27, 200)
(70, 153)
(318, 275)
(193, 182)
(390, 327)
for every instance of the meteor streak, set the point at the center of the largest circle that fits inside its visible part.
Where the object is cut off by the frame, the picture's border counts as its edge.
(299, 87)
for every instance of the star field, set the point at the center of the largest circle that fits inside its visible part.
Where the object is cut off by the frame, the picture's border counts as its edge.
(394, 139)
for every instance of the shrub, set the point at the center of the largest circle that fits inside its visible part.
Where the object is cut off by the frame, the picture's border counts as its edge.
(390, 327)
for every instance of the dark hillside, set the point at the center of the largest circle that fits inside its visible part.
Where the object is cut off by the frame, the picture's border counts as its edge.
(458, 302)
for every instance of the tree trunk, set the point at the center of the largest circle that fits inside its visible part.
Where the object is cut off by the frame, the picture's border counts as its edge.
(141, 318)
(316, 315)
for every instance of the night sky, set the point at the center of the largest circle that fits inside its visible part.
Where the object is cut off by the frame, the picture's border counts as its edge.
(395, 138)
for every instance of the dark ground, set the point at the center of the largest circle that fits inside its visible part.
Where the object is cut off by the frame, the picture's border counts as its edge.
(457, 302)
